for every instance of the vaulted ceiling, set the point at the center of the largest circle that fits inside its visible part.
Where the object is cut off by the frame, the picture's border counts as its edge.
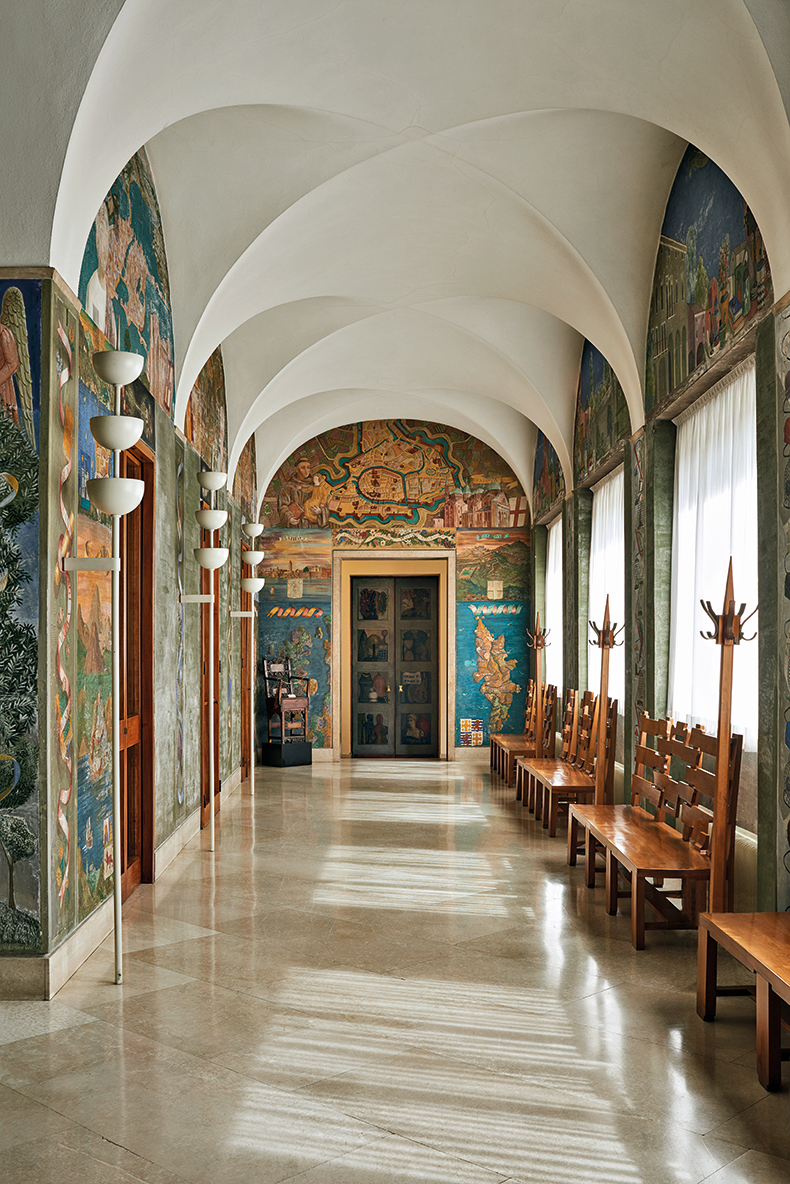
(405, 207)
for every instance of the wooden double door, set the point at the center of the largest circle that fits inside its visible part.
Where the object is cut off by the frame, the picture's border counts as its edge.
(394, 666)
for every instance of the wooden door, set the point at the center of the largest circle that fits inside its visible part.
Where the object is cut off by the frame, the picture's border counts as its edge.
(246, 633)
(394, 666)
(209, 712)
(135, 643)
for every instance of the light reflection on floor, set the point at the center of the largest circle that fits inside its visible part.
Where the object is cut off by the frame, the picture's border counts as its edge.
(384, 974)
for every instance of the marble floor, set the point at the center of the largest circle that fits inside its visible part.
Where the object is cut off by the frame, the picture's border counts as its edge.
(385, 973)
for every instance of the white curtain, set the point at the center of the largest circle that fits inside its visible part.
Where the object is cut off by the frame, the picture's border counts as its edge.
(607, 578)
(554, 605)
(715, 517)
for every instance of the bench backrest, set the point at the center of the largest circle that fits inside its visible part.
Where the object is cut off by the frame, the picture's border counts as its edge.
(529, 712)
(649, 761)
(549, 728)
(570, 724)
(585, 744)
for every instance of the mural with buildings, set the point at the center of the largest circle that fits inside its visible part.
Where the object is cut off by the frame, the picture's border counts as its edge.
(390, 485)
(395, 473)
(602, 418)
(124, 285)
(548, 484)
(20, 408)
(712, 276)
(206, 417)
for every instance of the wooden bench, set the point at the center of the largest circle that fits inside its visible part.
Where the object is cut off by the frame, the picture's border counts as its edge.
(647, 762)
(761, 942)
(510, 748)
(577, 784)
(498, 739)
(640, 847)
(525, 783)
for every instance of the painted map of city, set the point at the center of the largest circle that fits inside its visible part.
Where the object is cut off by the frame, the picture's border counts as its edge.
(395, 473)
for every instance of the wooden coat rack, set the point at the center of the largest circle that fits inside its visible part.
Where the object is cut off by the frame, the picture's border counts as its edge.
(537, 641)
(605, 638)
(727, 633)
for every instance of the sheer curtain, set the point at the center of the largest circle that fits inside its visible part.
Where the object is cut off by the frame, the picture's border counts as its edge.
(607, 578)
(715, 517)
(554, 605)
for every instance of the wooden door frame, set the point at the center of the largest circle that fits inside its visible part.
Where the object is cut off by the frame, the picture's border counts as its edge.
(145, 457)
(398, 562)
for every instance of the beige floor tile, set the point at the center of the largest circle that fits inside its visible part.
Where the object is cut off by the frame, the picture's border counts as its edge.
(384, 972)
(752, 1168)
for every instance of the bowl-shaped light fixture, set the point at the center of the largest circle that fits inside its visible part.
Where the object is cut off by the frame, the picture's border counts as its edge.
(118, 366)
(252, 557)
(211, 480)
(116, 431)
(116, 495)
(252, 583)
(211, 557)
(211, 519)
(252, 529)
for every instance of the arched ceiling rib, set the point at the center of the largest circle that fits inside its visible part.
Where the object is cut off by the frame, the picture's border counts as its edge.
(469, 173)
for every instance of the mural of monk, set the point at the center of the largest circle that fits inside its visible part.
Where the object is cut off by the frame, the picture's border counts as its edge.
(303, 498)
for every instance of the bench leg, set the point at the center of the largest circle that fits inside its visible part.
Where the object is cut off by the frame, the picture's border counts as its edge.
(637, 910)
(707, 959)
(573, 838)
(538, 800)
(589, 862)
(611, 883)
(519, 781)
(546, 806)
(554, 808)
(769, 1031)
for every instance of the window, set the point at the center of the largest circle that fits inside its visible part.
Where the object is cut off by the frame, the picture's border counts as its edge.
(554, 589)
(715, 517)
(607, 578)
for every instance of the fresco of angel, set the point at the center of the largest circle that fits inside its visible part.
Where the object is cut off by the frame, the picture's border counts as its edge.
(16, 383)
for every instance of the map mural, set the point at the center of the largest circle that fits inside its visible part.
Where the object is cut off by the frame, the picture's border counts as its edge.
(124, 285)
(395, 473)
(492, 663)
(602, 417)
(20, 403)
(548, 485)
(712, 276)
(307, 641)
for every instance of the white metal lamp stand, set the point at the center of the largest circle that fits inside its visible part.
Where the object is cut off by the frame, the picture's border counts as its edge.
(115, 496)
(210, 558)
(252, 584)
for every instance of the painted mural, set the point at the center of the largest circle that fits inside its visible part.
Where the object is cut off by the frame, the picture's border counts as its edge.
(297, 565)
(20, 404)
(124, 285)
(206, 419)
(304, 634)
(548, 485)
(93, 702)
(602, 418)
(395, 473)
(492, 661)
(712, 276)
(493, 565)
(245, 482)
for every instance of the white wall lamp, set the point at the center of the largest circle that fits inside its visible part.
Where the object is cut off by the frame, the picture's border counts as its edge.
(210, 558)
(251, 584)
(115, 496)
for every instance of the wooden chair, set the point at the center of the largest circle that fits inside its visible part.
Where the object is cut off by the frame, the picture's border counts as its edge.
(541, 739)
(286, 706)
(576, 784)
(645, 852)
(525, 783)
